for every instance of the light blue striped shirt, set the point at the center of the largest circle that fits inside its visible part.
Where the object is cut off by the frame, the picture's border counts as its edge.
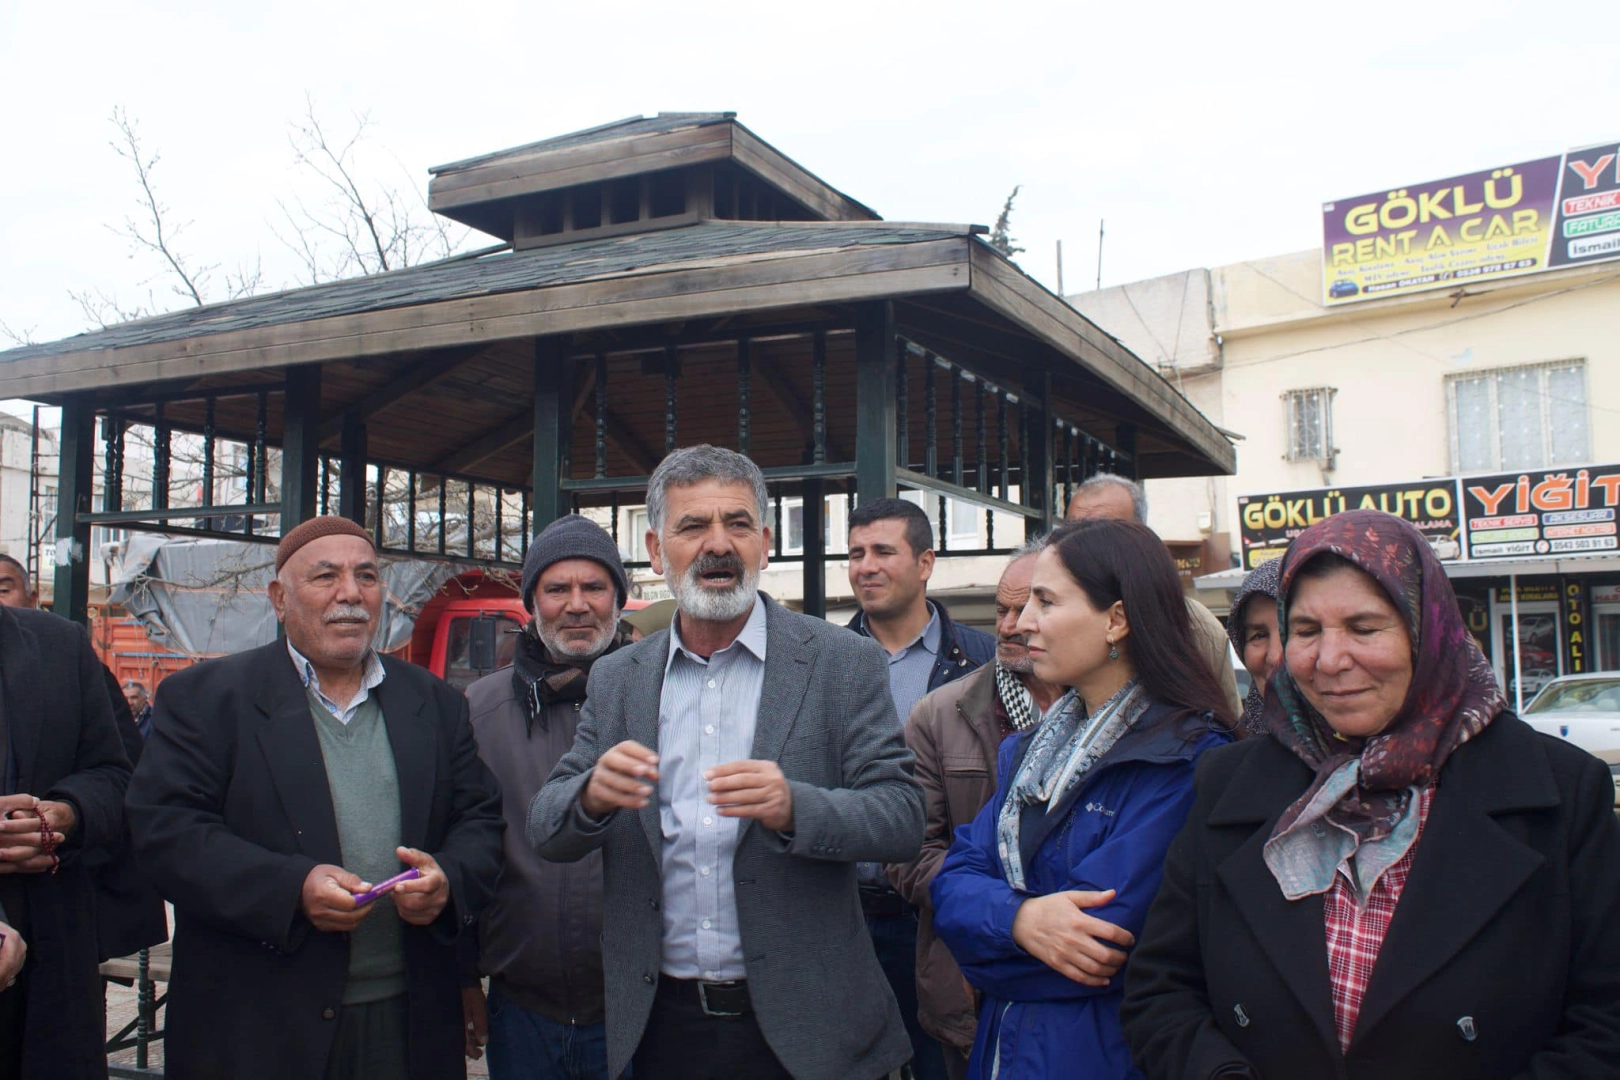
(312, 681)
(706, 717)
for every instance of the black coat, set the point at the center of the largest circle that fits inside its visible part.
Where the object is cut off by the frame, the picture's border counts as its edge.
(65, 747)
(129, 912)
(1503, 957)
(230, 810)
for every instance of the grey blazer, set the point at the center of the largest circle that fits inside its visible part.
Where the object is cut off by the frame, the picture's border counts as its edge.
(826, 717)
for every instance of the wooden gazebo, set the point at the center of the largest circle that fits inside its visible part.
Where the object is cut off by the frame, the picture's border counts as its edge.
(660, 282)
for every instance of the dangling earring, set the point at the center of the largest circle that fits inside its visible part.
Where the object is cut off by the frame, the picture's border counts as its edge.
(1113, 651)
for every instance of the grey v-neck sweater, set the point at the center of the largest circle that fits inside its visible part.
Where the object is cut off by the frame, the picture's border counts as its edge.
(365, 797)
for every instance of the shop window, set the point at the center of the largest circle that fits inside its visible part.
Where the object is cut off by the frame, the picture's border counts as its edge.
(965, 518)
(1529, 417)
(1309, 416)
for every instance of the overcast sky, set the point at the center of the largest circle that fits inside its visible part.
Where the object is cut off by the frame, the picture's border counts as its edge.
(1205, 133)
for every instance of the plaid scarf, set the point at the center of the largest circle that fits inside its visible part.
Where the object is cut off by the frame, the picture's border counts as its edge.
(1016, 699)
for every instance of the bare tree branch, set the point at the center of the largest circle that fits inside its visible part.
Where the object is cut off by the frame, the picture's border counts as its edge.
(17, 337)
(151, 232)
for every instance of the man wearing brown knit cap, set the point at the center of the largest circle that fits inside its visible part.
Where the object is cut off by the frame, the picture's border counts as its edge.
(278, 788)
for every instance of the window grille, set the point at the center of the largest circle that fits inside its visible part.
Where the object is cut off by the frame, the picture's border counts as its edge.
(1309, 416)
(1532, 416)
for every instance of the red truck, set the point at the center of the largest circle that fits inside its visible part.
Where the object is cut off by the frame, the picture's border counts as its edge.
(460, 635)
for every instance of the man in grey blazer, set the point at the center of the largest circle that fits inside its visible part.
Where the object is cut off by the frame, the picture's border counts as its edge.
(733, 769)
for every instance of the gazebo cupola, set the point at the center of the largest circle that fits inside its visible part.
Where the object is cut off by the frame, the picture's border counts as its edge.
(634, 175)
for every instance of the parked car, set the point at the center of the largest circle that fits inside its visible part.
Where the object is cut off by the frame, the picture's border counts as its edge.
(1585, 710)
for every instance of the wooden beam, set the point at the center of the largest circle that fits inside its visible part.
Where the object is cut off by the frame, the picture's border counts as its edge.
(875, 403)
(624, 439)
(402, 385)
(485, 446)
(300, 445)
(75, 477)
(801, 411)
(549, 423)
(352, 469)
(729, 286)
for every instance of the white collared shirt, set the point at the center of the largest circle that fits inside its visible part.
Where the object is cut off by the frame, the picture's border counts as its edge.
(343, 713)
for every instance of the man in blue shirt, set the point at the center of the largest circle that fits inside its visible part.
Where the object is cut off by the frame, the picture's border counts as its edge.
(891, 557)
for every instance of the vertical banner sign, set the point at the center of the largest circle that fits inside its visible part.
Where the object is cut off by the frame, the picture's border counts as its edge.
(1546, 512)
(1497, 223)
(1588, 223)
(1270, 522)
(1572, 602)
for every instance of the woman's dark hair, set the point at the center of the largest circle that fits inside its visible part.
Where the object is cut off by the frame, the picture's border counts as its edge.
(1126, 562)
(1326, 564)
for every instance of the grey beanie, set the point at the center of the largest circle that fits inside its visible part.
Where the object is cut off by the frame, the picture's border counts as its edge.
(572, 537)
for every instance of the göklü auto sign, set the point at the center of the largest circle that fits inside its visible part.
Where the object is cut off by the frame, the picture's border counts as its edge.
(1503, 222)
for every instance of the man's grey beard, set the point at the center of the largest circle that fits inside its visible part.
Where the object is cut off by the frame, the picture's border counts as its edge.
(709, 605)
(1026, 666)
(562, 649)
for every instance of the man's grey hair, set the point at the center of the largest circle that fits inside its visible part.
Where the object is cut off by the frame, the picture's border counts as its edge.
(694, 464)
(1033, 546)
(1139, 503)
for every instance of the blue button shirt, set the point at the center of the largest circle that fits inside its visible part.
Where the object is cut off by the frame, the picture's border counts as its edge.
(910, 668)
(706, 717)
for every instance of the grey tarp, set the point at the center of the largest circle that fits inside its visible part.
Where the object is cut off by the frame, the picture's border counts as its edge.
(208, 597)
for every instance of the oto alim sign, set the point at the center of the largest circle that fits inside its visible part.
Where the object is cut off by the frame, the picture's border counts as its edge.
(1502, 222)
(1545, 513)
(1270, 522)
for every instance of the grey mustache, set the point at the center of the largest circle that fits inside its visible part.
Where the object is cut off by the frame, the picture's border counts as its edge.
(347, 612)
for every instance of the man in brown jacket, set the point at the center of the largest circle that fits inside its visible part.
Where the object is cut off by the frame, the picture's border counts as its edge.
(954, 733)
(540, 941)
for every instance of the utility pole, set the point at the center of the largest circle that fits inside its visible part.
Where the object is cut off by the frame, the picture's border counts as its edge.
(1060, 266)
(1100, 224)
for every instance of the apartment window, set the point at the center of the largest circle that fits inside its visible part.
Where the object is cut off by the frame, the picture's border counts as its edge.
(1528, 417)
(1309, 415)
(964, 521)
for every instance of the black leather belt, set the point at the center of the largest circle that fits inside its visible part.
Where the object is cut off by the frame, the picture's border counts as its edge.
(881, 900)
(714, 998)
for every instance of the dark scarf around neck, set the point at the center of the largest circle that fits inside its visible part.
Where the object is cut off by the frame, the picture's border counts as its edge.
(541, 680)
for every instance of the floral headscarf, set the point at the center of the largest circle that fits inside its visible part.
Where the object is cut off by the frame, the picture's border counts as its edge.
(1260, 584)
(1364, 787)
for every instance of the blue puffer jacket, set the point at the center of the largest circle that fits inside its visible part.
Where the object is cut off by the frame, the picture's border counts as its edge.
(1111, 832)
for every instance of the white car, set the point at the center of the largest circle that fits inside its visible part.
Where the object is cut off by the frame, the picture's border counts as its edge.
(1584, 710)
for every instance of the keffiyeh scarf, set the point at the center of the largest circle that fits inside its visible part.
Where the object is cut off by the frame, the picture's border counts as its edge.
(1015, 698)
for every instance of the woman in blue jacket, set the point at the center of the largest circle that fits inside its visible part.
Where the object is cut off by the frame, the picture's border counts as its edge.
(1041, 893)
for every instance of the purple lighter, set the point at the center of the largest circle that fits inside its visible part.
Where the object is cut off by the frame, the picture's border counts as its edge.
(362, 899)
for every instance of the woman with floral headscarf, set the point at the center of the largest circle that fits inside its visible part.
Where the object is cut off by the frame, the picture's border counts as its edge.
(1402, 879)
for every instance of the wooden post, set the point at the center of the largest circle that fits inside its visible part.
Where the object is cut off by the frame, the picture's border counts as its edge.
(553, 397)
(1125, 439)
(300, 444)
(74, 481)
(815, 550)
(352, 471)
(1039, 481)
(875, 404)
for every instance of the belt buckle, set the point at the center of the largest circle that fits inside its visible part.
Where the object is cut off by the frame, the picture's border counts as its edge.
(703, 1000)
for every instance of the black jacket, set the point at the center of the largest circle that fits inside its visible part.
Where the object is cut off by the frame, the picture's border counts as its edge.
(64, 746)
(129, 912)
(230, 811)
(1503, 958)
(962, 649)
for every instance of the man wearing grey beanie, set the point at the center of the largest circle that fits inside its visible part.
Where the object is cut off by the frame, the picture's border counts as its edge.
(538, 942)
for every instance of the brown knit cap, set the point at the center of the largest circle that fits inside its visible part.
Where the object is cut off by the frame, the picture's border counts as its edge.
(314, 529)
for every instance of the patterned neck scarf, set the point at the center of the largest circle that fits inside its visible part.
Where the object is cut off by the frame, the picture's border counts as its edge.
(1062, 750)
(1015, 698)
(1364, 787)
